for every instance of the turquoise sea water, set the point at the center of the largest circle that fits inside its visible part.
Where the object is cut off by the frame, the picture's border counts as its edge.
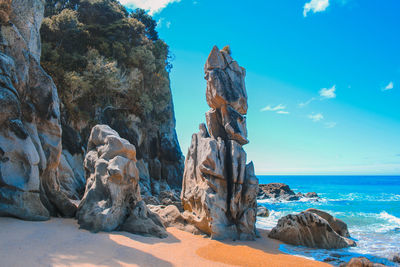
(370, 205)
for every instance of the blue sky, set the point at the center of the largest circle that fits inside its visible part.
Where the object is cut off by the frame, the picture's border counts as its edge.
(323, 78)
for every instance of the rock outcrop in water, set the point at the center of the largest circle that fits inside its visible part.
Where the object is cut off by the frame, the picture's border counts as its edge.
(219, 190)
(33, 186)
(282, 192)
(112, 199)
(310, 230)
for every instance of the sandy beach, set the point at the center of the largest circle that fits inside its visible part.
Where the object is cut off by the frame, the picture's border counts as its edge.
(60, 242)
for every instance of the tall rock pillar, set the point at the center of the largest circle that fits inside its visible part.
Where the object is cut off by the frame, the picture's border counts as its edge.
(219, 190)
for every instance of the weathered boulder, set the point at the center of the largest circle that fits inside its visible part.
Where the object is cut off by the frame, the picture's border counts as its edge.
(32, 186)
(219, 190)
(337, 225)
(262, 211)
(361, 262)
(112, 199)
(172, 217)
(310, 230)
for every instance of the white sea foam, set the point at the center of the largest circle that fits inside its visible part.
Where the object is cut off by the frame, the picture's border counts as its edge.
(395, 221)
(382, 197)
(269, 222)
(322, 254)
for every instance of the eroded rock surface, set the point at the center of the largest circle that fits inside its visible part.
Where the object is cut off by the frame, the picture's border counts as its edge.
(112, 199)
(172, 217)
(219, 190)
(30, 130)
(337, 225)
(310, 230)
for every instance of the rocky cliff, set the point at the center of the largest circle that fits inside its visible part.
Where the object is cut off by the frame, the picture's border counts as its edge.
(219, 190)
(44, 131)
(111, 68)
(30, 135)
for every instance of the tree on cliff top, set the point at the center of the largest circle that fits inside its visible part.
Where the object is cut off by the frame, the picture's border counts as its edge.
(101, 56)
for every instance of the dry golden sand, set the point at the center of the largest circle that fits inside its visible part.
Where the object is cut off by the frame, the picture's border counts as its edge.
(60, 242)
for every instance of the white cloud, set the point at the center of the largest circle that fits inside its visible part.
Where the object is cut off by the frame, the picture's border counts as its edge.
(330, 124)
(388, 87)
(276, 108)
(279, 109)
(315, 6)
(153, 6)
(168, 24)
(307, 102)
(328, 93)
(282, 112)
(316, 117)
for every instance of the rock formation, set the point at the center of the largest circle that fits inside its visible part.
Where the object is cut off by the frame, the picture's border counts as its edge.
(112, 199)
(137, 103)
(41, 152)
(219, 190)
(310, 230)
(361, 262)
(282, 192)
(31, 185)
(337, 225)
(172, 217)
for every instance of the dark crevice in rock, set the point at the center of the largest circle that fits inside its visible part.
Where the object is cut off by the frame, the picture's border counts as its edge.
(229, 178)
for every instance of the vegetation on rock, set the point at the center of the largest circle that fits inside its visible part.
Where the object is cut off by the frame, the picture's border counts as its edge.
(103, 57)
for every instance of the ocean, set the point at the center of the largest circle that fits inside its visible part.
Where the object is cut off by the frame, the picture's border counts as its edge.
(370, 205)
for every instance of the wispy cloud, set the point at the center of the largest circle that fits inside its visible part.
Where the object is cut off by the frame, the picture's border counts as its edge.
(153, 6)
(316, 117)
(330, 124)
(315, 6)
(279, 109)
(271, 108)
(327, 93)
(388, 87)
(303, 104)
(282, 112)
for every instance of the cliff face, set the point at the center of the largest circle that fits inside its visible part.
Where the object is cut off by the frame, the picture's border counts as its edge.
(110, 68)
(42, 146)
(30, 135)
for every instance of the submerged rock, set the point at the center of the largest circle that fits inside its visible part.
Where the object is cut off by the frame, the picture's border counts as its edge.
(112, 199)
(311, 195)
(310, 230)
(219, 190)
